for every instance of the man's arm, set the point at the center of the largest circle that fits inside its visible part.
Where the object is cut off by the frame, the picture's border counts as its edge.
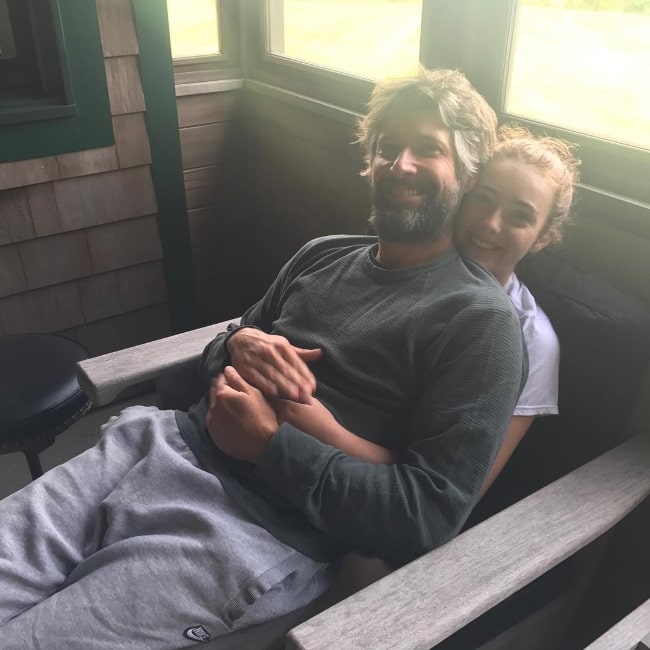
(457, 425)
(268, 362)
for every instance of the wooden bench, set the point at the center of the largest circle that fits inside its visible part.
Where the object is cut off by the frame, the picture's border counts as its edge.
(427, 601)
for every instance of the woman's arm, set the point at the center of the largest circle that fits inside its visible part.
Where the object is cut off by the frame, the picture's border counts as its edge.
(314, 419)
(516, 431)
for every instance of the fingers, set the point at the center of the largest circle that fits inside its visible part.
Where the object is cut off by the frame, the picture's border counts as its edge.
(271, 364)
(309, 355)
(235, 380)
(281, 372)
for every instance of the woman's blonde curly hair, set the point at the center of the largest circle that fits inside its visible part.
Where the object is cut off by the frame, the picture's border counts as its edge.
(554, 158)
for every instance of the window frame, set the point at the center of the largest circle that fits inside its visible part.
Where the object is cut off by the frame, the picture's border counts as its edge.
(86, 122)
(476, 37)
(41, 57)
(227, 64)
(329, 86)
(482, 52)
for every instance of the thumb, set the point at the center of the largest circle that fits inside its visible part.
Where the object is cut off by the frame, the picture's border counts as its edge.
(235, 380)
(309, 354)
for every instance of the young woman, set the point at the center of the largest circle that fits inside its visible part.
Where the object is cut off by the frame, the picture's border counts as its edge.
(519, 204)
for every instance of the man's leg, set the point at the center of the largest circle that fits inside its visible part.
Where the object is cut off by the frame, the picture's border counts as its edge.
(176, 560)
(50, 526)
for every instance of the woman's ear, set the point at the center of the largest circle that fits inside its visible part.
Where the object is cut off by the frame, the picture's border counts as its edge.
(542, 242)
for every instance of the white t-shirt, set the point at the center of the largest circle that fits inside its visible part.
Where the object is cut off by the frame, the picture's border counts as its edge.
(540, 393)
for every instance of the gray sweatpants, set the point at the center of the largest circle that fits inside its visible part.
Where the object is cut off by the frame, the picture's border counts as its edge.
(133, 545)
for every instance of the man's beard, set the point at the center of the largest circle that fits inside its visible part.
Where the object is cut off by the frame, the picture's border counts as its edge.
(425, 223)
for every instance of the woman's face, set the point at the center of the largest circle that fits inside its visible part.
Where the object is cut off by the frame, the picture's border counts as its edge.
(502, 217)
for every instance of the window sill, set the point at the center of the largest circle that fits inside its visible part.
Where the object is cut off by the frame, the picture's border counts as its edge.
(208, 87)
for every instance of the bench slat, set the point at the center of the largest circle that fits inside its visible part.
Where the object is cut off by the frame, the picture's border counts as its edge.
(104, 377)
(627, 633)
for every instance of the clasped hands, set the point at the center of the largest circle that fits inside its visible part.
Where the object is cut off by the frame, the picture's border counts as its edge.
(268, 383)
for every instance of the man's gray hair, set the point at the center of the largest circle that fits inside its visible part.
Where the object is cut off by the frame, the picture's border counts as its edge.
(461, 108)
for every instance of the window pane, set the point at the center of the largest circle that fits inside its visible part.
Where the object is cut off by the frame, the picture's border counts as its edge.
(584, 65)
(7, 46)
(193, 27)
(367, 38)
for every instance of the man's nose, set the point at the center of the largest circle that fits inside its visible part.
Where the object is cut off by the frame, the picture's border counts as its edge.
(404, 163)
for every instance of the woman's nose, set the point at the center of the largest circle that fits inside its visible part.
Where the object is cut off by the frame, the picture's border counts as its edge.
(493, 220)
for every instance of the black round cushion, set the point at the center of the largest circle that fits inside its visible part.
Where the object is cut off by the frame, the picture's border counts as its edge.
(38, 387)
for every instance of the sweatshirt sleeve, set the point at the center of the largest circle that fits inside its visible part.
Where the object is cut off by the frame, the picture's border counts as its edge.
(465, 401)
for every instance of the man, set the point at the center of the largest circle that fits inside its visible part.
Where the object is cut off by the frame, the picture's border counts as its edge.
(152, 535)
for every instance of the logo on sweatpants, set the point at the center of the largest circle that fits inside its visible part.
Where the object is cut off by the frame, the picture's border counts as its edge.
(197, 633)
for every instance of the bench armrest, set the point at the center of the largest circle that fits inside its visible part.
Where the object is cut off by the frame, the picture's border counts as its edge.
(424, 602)
(627, 633)
(104, 377)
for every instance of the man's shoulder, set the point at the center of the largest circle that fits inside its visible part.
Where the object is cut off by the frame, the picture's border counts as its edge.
(329, 247)
(336, 242)
(478, 285)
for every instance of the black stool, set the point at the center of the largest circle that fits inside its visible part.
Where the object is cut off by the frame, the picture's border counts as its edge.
(39, 393)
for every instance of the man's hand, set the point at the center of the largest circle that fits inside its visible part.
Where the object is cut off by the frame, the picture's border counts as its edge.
(271, 364)
(240, 421)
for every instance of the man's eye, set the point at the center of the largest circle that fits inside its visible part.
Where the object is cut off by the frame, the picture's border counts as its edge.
(429, 151)
(388, 151)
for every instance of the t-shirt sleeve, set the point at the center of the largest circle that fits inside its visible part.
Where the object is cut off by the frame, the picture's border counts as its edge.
(464, 403)
(540, 393)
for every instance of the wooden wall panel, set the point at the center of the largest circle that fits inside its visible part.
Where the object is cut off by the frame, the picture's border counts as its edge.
(116, 27)
(131, 140)
(79, 244)
(88, 201)
(12, 276)
(51, 260)
(28, 172)
(15, 217)
(45, 212)
(124, 88)
(195, 110)
(82, 163)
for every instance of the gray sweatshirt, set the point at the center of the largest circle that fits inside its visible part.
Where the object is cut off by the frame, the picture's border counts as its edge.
(427, 361)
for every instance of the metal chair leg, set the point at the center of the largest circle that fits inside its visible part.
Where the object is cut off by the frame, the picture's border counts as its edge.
(34, 463)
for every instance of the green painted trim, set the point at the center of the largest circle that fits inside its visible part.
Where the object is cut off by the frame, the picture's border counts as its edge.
(91, 127)
(157, 73)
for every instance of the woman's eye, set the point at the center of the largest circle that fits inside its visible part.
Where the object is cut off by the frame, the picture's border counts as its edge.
(521, 217)
(480, 197)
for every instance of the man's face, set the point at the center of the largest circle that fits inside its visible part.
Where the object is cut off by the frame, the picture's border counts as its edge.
(415, 190)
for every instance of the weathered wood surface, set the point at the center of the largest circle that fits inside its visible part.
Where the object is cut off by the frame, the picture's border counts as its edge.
(424, 602)
(103, 378)
(628, 632)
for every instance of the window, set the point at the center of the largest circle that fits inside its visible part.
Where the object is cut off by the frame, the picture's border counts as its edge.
(531, 76)
(53, 96)
(367, 39)
(583, 66)
(7, 43)
(193, 33)
(204, 39)
(34, 81)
